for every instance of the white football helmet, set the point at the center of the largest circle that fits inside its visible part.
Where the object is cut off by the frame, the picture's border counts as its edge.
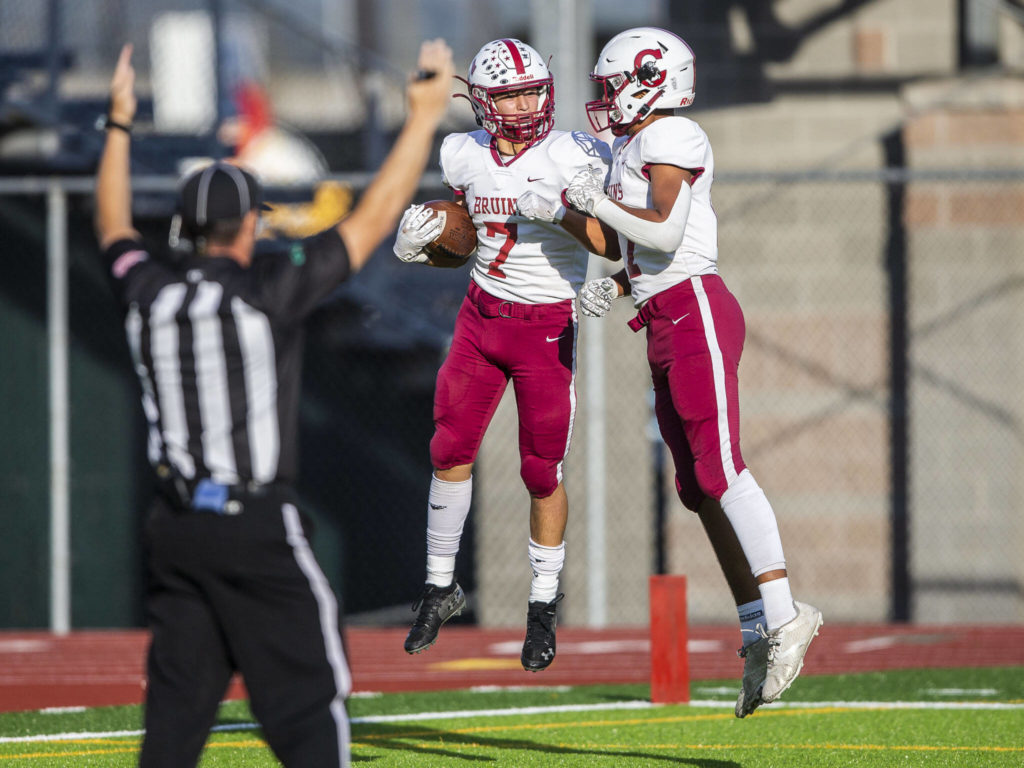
(508, 65)
(640, 70)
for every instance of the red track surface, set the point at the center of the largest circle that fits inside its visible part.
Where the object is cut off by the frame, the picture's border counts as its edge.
(98, 668)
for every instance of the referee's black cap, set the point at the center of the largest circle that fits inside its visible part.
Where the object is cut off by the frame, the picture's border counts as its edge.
(218, 192)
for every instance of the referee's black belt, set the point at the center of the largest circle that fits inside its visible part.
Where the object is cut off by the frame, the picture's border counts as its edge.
(207, 495)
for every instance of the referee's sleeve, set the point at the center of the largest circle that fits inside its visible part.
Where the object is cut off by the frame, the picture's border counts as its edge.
(292, 283)
(121, 259)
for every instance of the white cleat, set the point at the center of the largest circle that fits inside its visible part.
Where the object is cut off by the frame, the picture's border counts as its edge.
(755, 669)
(787, 646)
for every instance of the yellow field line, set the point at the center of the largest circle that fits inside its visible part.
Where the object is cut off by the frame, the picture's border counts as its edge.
(449, 746)
(246, 744)
(546, 726)
(368, 740)
(604, 723)
(82, 753)
(419, 734)
(456, 746)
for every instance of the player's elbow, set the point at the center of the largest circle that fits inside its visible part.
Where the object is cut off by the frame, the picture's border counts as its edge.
(670, 239)
(107, 234)
(102, 224)
(665, 237)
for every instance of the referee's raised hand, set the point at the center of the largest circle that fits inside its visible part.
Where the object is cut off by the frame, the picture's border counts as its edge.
(376, 214)
(122, 89)
(113, 216)
(429, 87)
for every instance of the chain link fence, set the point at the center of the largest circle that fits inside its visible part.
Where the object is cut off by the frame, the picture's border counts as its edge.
(810, 260)
(811, 263)
(880, 383)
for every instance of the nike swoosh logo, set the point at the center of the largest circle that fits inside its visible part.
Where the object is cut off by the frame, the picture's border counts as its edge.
(539, 178)
(680, 318)
(437, 506)
(554, 339)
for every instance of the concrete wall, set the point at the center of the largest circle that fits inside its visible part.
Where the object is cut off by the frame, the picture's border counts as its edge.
(966, 302)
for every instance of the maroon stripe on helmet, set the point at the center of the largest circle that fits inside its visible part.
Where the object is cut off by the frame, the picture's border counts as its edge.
(517, 58)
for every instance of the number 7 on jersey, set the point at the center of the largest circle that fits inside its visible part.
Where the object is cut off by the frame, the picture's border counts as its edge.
(510, 231)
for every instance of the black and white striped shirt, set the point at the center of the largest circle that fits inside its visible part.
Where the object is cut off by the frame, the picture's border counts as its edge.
(218, 350)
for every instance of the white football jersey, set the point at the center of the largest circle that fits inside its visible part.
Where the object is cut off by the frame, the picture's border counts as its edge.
(675, 141)
(530, 262)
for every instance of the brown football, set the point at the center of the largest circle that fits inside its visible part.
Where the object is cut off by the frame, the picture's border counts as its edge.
(457, 241)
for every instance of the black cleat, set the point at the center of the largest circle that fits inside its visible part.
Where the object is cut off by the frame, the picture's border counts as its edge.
(436, 605)
(539, 646)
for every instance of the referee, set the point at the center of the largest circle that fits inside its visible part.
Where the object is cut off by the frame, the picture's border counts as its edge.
(217, 344)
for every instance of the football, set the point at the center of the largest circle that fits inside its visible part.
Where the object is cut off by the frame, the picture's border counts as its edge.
(457, 241)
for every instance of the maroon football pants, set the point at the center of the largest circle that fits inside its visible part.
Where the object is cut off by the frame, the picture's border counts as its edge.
(534, 345)
(695, 333)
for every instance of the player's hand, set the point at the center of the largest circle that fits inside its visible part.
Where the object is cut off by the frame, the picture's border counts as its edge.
(597, 295)
(429, 89)
(418, 227)
(586, 190)
(537, 207)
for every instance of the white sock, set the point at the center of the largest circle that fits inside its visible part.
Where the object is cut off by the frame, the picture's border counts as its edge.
(447, 510)
(440, 570)
(751, 615)
(778, 603)
(546, 563)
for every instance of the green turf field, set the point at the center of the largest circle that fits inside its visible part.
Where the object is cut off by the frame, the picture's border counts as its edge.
(934, 718)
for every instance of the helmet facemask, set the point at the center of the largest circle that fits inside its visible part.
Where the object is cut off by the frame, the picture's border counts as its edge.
(607, 105)
(505, 67)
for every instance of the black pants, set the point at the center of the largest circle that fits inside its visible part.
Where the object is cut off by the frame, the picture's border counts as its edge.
(242, 592)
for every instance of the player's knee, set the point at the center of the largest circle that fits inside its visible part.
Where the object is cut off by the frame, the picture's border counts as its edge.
(540, 476)
(710, 480)
(446, 451)
(743, 486)
(689, 493)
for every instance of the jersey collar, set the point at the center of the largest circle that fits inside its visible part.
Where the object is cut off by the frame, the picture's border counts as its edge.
(501, 161)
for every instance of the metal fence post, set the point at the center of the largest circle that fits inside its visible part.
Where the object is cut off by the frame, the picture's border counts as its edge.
(559, 27)
(57, 332)
(597, 473)
(53, 61)
(896, 267)
(222, 95)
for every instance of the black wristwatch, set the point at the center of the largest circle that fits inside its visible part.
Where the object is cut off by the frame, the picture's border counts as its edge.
(103, 122)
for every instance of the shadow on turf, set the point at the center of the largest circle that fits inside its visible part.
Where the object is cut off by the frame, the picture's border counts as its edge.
(400, 738)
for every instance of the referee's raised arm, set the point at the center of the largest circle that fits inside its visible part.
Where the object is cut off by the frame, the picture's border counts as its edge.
(113, 218)
(376, 214)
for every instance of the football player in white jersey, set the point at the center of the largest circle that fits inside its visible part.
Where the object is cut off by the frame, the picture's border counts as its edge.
(518, 322)
(657, 197)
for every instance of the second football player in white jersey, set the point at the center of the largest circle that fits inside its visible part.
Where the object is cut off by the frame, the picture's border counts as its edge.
(657, 198)
(518, 323)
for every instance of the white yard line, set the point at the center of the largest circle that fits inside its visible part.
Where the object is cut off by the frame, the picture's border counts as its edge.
(109, 734)
(506, 712)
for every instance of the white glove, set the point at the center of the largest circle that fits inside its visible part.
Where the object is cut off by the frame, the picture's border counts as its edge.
(418, 227)
(586, 189)
(535, 206)
(597, 295)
